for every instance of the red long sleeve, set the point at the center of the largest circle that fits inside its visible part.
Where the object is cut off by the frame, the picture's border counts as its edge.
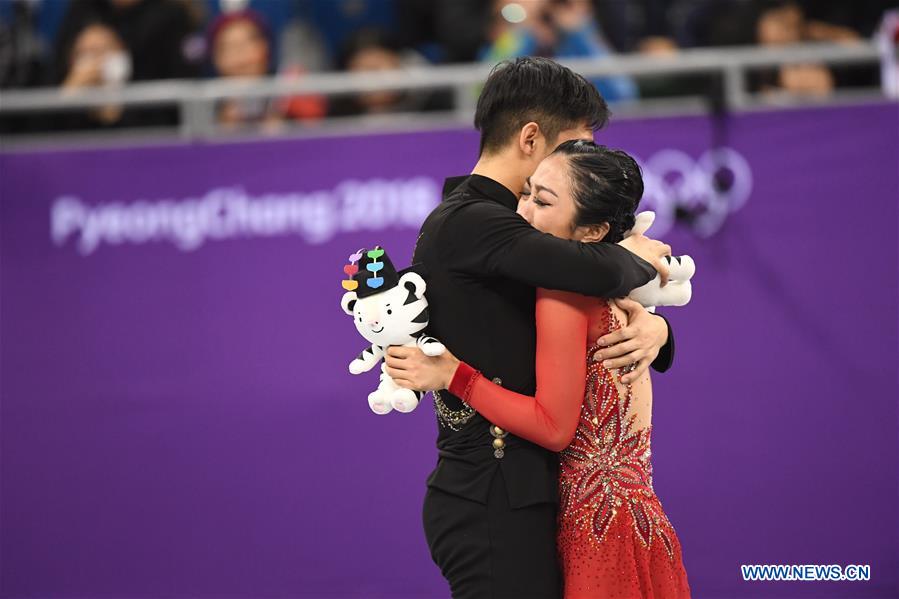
(550, 418)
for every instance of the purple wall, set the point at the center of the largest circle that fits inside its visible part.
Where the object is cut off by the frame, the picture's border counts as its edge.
(176, 419)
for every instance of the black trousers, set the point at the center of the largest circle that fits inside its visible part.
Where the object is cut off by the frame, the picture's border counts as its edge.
(492, 551)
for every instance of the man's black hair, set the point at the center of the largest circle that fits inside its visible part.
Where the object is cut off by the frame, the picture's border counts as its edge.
(535, 89)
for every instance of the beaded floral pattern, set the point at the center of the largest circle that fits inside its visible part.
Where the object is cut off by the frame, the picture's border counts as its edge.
(606, 470)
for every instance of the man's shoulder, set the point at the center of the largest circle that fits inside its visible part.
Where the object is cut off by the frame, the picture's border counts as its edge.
(467, 208)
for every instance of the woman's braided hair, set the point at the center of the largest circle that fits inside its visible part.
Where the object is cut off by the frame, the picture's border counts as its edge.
(607, 186)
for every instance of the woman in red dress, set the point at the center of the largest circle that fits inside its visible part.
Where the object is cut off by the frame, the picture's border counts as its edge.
(614, 539)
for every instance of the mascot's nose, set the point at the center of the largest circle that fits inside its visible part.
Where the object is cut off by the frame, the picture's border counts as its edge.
(372, 323)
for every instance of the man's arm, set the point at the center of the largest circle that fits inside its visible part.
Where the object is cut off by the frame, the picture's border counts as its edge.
(666, 354)
(490, 240)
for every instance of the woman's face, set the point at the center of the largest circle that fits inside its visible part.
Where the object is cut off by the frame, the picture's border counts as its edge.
(241, 50)
(546, 201)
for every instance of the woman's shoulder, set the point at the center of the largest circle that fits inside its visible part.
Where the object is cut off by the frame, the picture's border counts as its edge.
(601, 316)
(594, 309)
(567, 298)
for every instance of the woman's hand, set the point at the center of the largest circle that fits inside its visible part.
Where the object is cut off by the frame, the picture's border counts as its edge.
(411, 369)
(637, 343)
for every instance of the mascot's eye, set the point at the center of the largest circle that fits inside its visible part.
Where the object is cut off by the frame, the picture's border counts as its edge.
(389, 311)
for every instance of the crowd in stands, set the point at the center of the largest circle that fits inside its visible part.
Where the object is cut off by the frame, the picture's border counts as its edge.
(78, 44)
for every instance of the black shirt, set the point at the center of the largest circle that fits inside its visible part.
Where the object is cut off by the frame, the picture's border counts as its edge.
(483, 264)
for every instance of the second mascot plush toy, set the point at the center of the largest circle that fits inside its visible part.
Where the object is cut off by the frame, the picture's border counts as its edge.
(389, 308)
(678, 290)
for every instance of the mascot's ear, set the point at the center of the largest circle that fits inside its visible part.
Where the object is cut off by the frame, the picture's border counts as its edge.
(415, 286)
(348, 302)
(642, 222)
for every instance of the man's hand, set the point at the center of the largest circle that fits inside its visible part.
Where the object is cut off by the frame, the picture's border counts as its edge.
(411, 369)
(639, 342)
(650, 250)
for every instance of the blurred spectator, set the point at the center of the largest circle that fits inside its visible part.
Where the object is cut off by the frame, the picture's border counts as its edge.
(732, 22)
(783, 23)
(374, 50)
(240, 47)
(555, 29)
(152, 34)
(154, 31)
(768, 23)
(846, 22)
(98, 57)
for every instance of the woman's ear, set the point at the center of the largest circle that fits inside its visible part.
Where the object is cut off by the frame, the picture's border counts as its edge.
(593, 233)
(529, 138)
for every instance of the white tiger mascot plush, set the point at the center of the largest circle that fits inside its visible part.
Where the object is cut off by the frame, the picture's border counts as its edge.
(679, 289)
(388, 308)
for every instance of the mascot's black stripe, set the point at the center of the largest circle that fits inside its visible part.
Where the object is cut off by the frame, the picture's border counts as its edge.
(671, 259)
(368, 350)
(422, 316)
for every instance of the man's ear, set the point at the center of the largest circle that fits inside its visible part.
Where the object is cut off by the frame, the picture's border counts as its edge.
(595, 233)
(529, 139)
(348, 302)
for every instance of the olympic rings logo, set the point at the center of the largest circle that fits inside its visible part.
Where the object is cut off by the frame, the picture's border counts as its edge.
(702, 192)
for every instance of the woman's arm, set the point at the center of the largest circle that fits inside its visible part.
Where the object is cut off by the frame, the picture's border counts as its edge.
(550, 418)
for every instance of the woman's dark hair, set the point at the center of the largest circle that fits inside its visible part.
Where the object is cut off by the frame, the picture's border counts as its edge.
(535, 89)
(606, 185)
